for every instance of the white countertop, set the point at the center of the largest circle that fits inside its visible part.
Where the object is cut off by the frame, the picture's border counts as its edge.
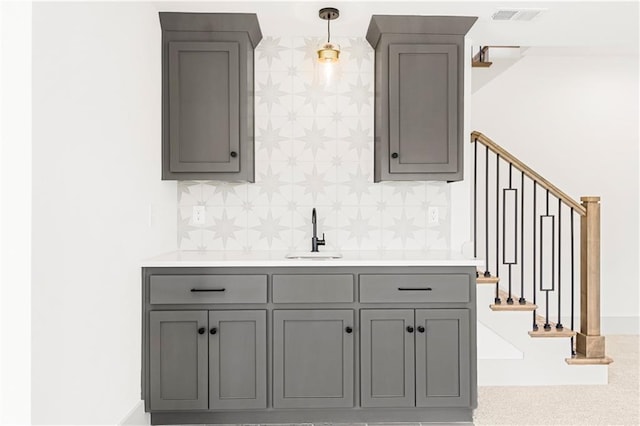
(278, 259)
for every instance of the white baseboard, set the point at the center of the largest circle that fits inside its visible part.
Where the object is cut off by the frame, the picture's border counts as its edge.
(136, 417)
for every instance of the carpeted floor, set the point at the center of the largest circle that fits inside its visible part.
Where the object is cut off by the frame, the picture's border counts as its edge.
(617, 403)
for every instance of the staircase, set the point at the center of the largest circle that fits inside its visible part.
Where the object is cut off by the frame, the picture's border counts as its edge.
(541, 276)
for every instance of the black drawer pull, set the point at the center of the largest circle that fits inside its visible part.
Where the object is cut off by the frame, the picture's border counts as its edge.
(197, 290)
(421, 329)
(349, 330)
(201, 330)
(213, 330)
(409, 329)
(414, 288)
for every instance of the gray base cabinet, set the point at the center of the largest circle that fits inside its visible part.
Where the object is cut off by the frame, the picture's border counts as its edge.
(309, 345)
(207, 95)
(419, 86)
(201, 360)
(415, 358)
(312, 358)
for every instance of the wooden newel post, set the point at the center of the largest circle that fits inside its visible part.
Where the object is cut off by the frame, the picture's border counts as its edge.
(589, 342)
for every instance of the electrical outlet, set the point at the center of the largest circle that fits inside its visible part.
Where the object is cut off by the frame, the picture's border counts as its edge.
(433, 216)
(198, 216)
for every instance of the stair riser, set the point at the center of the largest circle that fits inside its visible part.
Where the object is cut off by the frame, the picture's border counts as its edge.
(542, 362)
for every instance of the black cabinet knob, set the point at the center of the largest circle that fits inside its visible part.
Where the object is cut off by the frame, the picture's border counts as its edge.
(410, 329)
(201, 330)
(234, 154)
(394, 155)
(349, 330)
(421, 329)
(213, 330)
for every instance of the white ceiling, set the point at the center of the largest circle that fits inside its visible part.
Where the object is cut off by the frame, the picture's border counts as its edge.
(575, 23)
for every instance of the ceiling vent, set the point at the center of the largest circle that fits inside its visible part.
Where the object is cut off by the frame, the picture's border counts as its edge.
(516, 14)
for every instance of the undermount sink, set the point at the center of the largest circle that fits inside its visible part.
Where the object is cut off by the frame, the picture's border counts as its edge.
(314, 255)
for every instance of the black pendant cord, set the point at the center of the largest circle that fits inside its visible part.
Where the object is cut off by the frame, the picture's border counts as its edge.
(329, 14)
(559, 325)
(573, 352)
(497, 298)
(535, 205)
(522, 299)
(328, 30)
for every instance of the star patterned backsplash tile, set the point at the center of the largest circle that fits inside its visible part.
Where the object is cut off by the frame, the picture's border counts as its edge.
(314, 148)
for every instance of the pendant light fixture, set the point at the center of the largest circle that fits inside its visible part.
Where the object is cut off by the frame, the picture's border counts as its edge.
(329, 52)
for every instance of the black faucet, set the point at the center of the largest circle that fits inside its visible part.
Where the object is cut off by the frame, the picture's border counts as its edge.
(315, 241)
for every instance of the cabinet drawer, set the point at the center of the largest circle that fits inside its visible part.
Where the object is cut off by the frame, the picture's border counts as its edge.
(319, 288)
(180, 289)
(422, 288)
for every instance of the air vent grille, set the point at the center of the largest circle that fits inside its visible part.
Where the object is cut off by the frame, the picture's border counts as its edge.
(504, 15)
(516, 14)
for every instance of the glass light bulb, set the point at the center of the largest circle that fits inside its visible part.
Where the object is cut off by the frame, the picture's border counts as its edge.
(327, 72)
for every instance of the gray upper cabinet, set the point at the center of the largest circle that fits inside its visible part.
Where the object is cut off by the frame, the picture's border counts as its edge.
(419, 96)
(178, 360)
(313, 358)
(207, 95)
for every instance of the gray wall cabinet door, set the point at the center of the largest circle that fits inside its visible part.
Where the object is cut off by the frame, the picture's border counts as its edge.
(204, 96)
(313, 358)
(387, 358)
(423, 108)
(178, 360)
(237, 359)
(442, 358)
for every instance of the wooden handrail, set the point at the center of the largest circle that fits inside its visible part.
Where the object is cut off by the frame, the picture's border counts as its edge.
(511, 159)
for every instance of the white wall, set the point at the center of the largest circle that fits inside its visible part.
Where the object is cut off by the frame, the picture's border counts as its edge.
(96, 172)
(15, 213)
(574, 119)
